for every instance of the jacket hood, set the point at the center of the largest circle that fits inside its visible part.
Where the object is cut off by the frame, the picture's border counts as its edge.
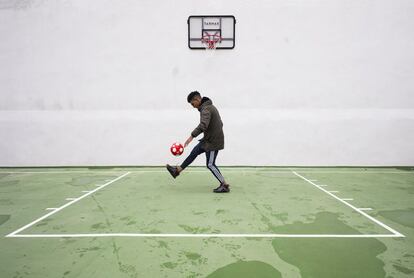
(205, 101)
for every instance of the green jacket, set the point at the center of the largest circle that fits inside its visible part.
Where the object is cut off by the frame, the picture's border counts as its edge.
(211, 125)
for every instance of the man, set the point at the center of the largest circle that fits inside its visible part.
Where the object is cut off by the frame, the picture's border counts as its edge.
(213, 141)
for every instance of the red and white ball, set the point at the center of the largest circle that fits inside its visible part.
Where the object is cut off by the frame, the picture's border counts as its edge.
(177, 149)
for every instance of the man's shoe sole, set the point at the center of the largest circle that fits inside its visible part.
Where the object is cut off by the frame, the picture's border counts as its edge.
(221, 191)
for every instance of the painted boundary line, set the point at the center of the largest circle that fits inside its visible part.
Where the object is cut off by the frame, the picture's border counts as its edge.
(395, 233)
(236, 170)
(208, 235)
(13, 234)
(61, 172)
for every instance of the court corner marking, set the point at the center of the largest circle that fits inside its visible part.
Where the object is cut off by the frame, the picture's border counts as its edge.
(55, 210)
(393, 232)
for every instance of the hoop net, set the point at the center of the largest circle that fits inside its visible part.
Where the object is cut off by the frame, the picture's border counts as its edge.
(211, 40)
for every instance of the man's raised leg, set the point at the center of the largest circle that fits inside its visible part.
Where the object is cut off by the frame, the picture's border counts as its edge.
(175, 170)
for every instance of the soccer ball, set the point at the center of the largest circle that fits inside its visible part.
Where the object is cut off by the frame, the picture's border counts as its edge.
(177, 149)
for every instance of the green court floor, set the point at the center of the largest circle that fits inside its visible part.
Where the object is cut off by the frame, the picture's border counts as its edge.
(139, 222)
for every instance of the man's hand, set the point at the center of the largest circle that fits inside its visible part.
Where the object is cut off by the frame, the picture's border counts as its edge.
(188, 141)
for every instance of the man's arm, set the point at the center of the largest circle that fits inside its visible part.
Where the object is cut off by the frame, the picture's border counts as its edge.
(188, 141)
(202, 126)
(204, 122)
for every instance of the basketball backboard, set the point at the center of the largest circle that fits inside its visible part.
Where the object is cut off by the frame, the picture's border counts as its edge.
(211, 31)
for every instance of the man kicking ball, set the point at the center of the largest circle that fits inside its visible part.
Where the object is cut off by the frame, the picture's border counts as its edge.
(213, 140)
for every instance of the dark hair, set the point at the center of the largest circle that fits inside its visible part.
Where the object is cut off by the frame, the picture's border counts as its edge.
(192, 95)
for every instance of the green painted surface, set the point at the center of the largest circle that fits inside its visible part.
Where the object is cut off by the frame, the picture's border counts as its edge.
(262, 200)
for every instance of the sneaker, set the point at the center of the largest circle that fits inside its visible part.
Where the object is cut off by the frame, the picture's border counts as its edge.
(173, 171)
(223, 188)
(217, 187)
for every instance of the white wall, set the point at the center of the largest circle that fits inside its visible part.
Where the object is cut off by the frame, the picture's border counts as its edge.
(103, 82)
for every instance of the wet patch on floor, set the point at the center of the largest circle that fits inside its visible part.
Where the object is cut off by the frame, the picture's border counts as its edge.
(163, 244)
(9, 183)
(405, 189)
(89, 249)
(4, 218)
(89, 180)
(195, 258)
(404, 217)
(6, 202)
(97, 168)
(98, 226)
(3, 175)
(405, 168)
(330, 257)
(198, 212)
(197, 230)
(44, 222)
(169, 265)
(220, 211)
(246, 269)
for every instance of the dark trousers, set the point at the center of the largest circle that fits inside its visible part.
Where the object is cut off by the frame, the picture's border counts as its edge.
(210, 161)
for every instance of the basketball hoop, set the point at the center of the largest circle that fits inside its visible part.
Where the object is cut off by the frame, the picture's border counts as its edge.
(211, 40)
(211, 32)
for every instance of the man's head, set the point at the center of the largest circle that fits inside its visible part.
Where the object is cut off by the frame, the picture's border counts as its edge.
(194, 98)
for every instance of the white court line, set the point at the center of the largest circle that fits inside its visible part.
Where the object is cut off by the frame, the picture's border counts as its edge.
(119, 171)
(358, 172)
(65, 205)
(51, 208)
(264, 170)
(223, 168)
(63, 172)
(212, 235)
(365, 208)
(351, 206)
(70, 199)
(347, 199)
(353, 171)
(146, 171)
(85, 191)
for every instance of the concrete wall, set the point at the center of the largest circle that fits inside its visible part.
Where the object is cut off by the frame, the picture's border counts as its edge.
(105, 82)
